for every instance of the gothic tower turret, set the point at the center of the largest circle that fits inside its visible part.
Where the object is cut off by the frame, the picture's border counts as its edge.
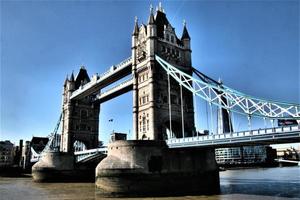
(151, 117)
(186, 41)
(80, 118)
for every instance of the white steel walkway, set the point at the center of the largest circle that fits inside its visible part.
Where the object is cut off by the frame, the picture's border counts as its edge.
(277, 135)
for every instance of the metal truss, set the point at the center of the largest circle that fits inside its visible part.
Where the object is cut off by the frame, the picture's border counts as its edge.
(231, 99)
(54, 139)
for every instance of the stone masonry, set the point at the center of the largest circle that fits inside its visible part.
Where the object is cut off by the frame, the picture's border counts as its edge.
(80, 117)
(150, 90)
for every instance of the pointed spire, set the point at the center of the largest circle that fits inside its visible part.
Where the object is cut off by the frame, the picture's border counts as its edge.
(72, 77)
(151, 17)
(136, 26)
(82, 67)
(66, 80)
(185, 33)
(160, 7)
(220, 81)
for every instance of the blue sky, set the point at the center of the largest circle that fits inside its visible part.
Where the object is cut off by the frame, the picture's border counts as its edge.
(252, 45)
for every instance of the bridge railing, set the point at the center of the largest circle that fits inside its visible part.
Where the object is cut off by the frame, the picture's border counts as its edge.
(116, 67)
(234, 134)
(91, 151)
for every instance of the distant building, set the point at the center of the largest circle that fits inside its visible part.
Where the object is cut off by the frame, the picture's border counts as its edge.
(26, 155)
(18, 154)
(6, 153)
(118, 136)
(245, 155)
(288, 153)
(31, 149)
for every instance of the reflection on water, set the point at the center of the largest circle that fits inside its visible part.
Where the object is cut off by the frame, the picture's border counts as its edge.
(253, 184)
(277, 182)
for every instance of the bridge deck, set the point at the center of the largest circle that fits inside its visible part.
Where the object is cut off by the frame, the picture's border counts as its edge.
(278, 135)
(115, 73)
(118, 90)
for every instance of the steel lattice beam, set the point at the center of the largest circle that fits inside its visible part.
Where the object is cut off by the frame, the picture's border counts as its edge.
(236, 101)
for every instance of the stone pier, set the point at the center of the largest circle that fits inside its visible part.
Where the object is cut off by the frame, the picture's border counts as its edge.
(61, 167)
(147, 167)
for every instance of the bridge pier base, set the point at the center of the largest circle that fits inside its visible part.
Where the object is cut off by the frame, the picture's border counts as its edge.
(145, 167)
(53, 165)
(61, 167)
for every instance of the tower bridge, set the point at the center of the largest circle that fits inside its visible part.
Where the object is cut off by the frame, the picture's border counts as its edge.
(160, 74)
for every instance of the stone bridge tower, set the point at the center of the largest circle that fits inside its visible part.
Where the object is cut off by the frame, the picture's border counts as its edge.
(151, 119)
(80, 117)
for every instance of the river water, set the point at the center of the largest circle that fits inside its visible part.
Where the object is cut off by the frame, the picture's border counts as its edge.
(252, 184)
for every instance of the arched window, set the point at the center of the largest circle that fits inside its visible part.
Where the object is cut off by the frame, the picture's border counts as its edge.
(167, 37)
(79, 146)
(144, 124)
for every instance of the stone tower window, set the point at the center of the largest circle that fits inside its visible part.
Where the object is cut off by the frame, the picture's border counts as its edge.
(173, 99)
(172, 39)
(167, 37)
(148, 124)
(82, 127)
(143, 77)
(140, 126)
(144, 124)
(165, 99)
(83, 114)
(168, 50)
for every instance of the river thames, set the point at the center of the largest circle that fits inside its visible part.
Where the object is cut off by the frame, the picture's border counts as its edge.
(252, 184)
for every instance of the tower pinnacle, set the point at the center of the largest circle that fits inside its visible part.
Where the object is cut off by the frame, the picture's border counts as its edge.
(136, 26)
(159, 8)
(151, 17)
(66, 80)
(72, 77)
(185, 33)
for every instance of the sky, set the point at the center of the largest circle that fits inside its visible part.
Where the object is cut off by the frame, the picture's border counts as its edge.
(253, 46)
